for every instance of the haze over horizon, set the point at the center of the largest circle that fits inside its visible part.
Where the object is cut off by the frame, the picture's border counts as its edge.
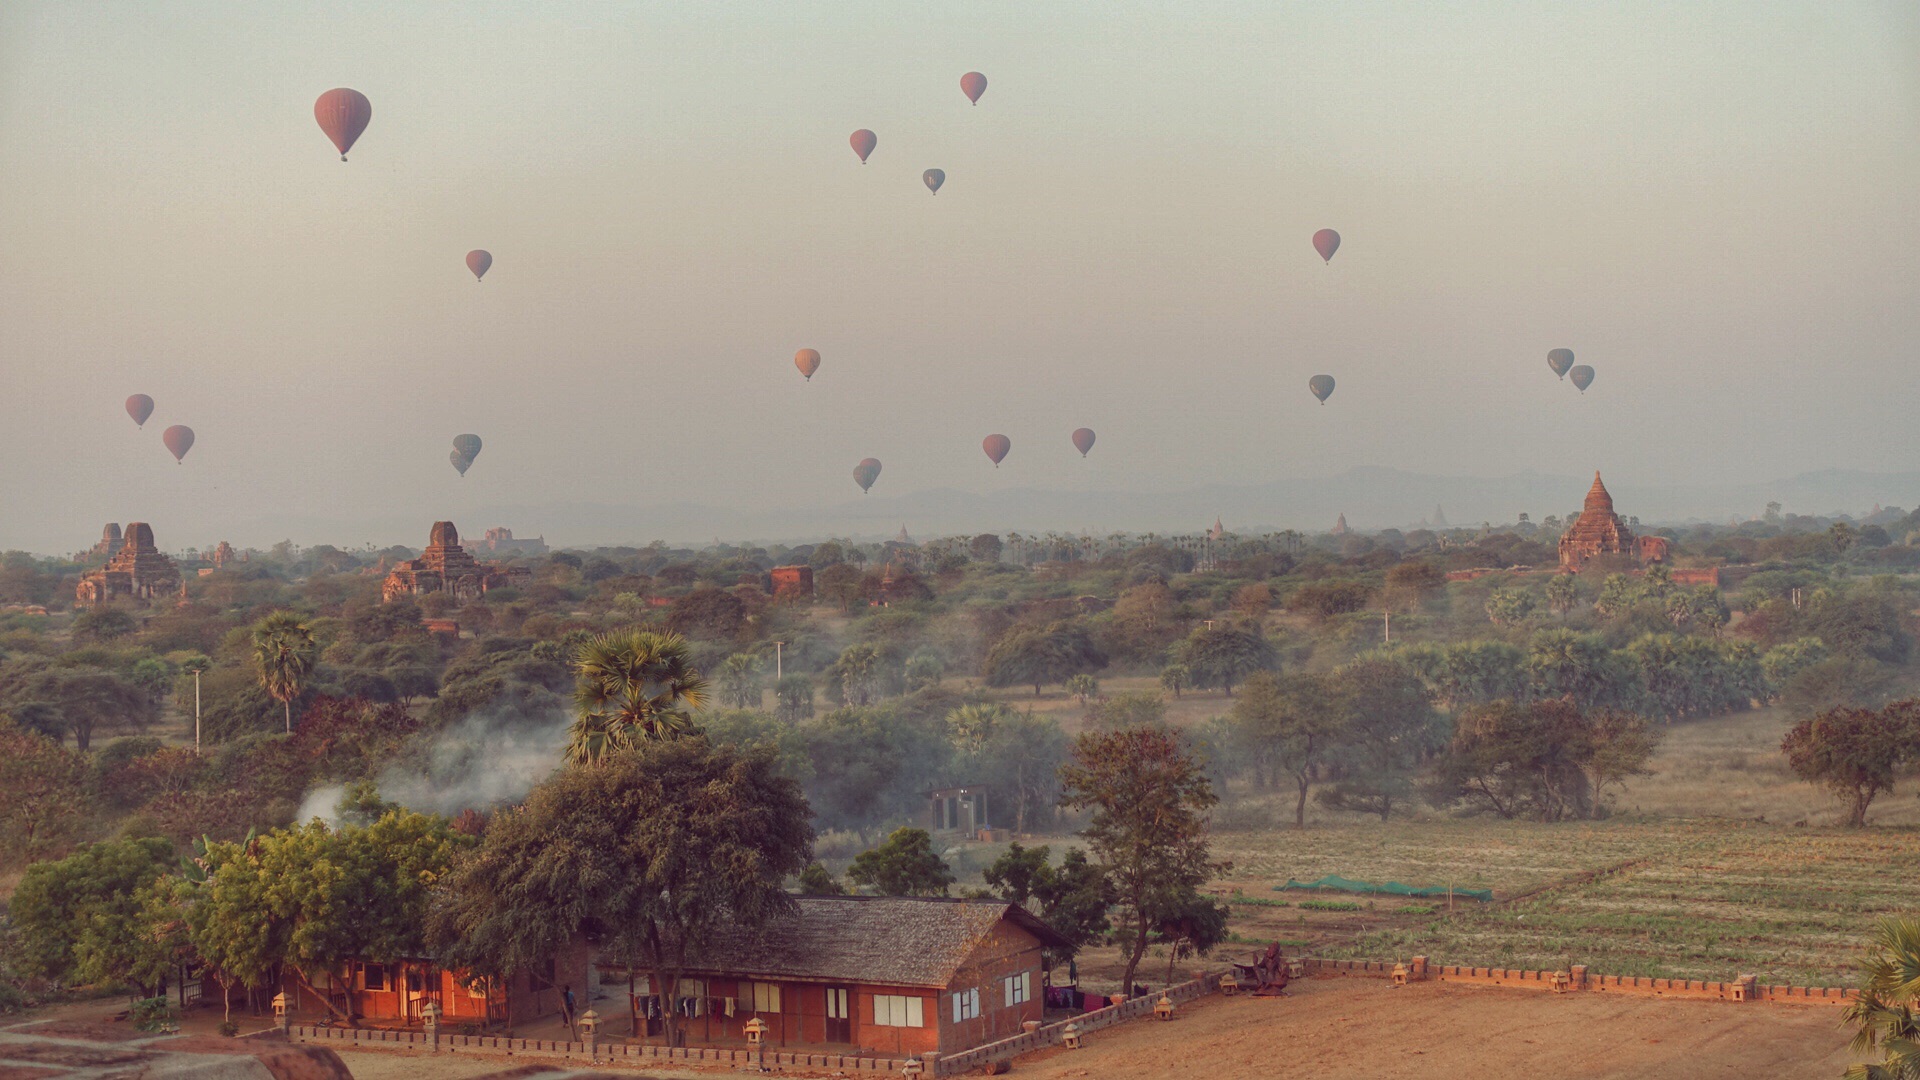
(1711, 204)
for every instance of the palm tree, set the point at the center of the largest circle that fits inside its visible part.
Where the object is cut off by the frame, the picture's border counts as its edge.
(284, 650)
(1885, 1011)
(740, 681)
(635, 685)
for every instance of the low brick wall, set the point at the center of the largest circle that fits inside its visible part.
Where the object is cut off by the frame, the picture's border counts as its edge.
(1579, 980)
(502, 1046)
(1051, 1034)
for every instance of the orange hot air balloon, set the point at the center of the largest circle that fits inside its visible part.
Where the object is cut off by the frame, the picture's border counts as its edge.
(863, 143)
(1582, 377)
(343, 115)
(1326, 242)
(973, 84)
(808, 361)
(178, 440)
(1083, 440)
(479, 262)
(933, 178)
(1560, 360)
(140, 406)
(996, 447)
(1322, 387)
(866, 473)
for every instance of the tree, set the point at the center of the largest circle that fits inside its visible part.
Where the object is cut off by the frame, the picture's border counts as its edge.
(1189, 923)
(816, 880)
(985, 548)
(83, 919)
(1287, 726)
(1072, 899)
(793, 697)
(1149, 799)
(1887, 1012)
(857, 671)
(739, 677)
(1563, 594)
(1176, 677)
(708, 614)
(1509, 607)
(840, 583)
(1083, 686)
(1324, 600)
(1619, 745)
(634, 686)
(1410, 583)
(1220, 654)
(1252, 601)
(1128, 708)
(1390, 725)
(43, 802)
(103, 623)
(1037, 656)
(1518, 759)
(284, 652)
(1022, 752)
(1854, 753)
(905, 865)
(659, 850)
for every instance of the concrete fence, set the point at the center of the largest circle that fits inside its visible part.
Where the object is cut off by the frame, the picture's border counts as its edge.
(344, 1038)
(1576, 978)
(1046, 1035)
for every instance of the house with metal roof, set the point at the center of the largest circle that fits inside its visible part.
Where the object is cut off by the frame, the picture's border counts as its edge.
(883, 975)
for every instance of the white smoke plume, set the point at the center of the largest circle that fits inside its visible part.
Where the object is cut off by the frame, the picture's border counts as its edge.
(488, 759)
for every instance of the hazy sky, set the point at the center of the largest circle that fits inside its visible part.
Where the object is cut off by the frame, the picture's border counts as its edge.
(1717, 205)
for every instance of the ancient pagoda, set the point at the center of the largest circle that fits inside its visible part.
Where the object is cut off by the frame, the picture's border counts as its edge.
(446, 567)
(1599, 531)
(137, 571)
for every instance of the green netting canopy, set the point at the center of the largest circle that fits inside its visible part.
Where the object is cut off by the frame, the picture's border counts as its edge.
(1340, 884)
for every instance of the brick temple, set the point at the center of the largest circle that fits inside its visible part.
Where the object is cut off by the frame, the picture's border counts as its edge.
(446, 567)
(1598, 531)
(137, 571)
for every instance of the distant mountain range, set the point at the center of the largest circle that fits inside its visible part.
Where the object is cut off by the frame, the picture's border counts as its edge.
(1370, 498)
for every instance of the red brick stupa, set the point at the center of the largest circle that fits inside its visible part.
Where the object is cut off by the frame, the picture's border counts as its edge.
(1599, 531)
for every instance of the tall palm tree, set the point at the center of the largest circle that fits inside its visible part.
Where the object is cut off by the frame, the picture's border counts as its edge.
(635, 685)
(284, 651)
(1887, 1013)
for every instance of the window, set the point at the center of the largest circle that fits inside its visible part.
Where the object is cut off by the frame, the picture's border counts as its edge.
(761, 997)
(373, 977)
(1018, 988)
(895, 1010)
(966, 1005)
(836, 1003)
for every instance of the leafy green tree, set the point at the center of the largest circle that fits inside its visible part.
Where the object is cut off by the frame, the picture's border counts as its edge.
(1176, 677)
(1149, 800)
(1221, 654)
(817, 880)
(857, 672)
(1326, 599)
(840, 583)
(904, 865)
(1509, 607)
(1886, 1015)
(924, 671)
(659, 850)
(1389, 726)
(739, 678)
(1036, 656)
(1855, 753)
(1072, 898)
(83, 919)
(1022, 753)
(1411, 583)
(1189, 923)
(1563, 594)
(1083, 686)
(985, 548)
(43, 803)
(103, 624)
(284, 653)
(634, 686)
(1128, 708)
(1287, 726)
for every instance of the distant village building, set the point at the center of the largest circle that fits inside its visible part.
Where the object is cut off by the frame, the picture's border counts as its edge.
(1598, 532)
(792, 583)
(960, 810)
(446, 567)
(880, 975)
(137, 571)
(499, 541)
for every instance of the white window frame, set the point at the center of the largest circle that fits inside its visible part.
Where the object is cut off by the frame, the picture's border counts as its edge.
(761, 997)
(898, 1010)
(838, 998)
(1017, 989)
(966, 1005)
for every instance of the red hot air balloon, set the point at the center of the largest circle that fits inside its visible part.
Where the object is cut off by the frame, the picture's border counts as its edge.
(343, 115)
(1322, 387)
(1083, 440)
(973, 84)
(179, 440)
(1582, 377)
(1326, 242)
(479, 262)
(996, 447)
(140, 406)
(808, 361)
(863, 143)
(1560, 360)
(866, 473)
(933, 178)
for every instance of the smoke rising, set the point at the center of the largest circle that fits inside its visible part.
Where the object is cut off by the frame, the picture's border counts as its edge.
(490, 758)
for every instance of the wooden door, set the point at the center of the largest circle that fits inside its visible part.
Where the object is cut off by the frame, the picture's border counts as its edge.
(839, 1014)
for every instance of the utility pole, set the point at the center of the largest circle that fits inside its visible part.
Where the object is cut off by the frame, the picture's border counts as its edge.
(196, 709)
(779, 669)
(1388, 616)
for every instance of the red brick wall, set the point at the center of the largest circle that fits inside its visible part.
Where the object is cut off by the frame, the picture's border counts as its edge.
(1009, 950)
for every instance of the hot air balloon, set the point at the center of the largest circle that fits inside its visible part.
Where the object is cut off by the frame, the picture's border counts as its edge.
(1083, 440)
(808, 361)
(140, 406)
(479, 262)
(996, 447)
(179, 440)
(863, 143)
(460, 461)
(1326, 242)
(468, 446)
(933, 178)
(866, 473)
(343, 115)
(1322, 387)
(973, 84)
(1582, 377)
(1560, 360)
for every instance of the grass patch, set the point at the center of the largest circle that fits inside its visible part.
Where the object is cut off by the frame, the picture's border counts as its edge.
(1329, 905)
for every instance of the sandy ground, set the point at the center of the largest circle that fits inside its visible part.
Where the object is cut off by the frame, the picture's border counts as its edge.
(1333, 1028)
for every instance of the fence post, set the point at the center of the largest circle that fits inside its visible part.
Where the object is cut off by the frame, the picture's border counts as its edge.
(430, 1020)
